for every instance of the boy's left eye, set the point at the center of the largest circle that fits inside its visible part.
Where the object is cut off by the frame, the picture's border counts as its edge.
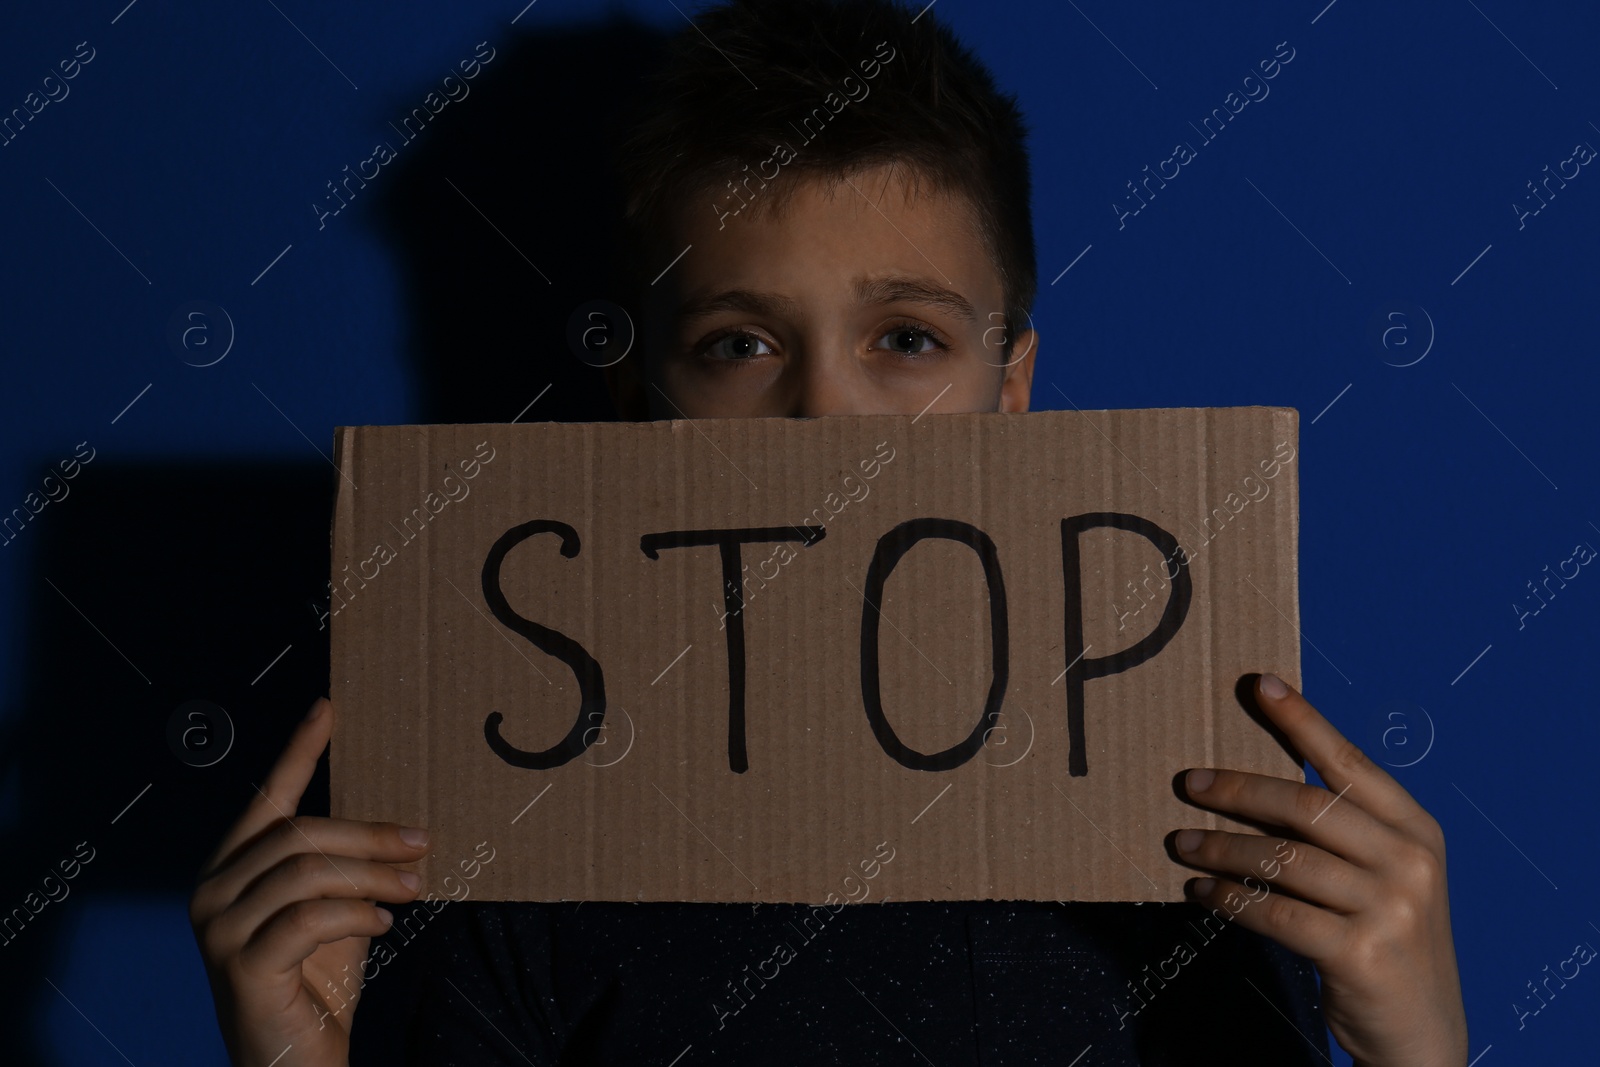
(907, 339)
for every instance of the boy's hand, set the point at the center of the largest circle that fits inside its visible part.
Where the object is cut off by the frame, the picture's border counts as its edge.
(284, 913)
(1365, 866)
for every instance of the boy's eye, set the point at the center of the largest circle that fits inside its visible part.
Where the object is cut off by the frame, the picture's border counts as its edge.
(907, 340)
(734, 346)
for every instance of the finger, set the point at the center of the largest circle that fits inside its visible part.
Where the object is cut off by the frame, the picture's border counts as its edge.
(1312, 932)
(1313, 813)
(282, 944)
(1300, 868)
(384, 841)
(310, 876)
(1341, 763)
(280, 795)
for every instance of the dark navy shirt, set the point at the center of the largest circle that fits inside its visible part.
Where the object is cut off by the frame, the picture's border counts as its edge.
(970, 982)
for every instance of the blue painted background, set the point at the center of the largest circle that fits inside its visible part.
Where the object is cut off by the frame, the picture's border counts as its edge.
(1362, 214)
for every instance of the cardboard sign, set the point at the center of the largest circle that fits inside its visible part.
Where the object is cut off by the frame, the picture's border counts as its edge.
(942, 657)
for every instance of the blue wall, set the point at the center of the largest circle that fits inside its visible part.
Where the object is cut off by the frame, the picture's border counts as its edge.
(1362, 214)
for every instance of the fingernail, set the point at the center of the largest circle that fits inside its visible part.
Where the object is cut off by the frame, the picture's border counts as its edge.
(414, 836)
(1200, 780)
(316, 710)
(411, 880)
(1273, 686)
(1202, 886)
(1188, 840)
(388, 919)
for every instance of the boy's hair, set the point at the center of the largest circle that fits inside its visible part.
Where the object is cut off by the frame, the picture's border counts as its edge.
(933, 108)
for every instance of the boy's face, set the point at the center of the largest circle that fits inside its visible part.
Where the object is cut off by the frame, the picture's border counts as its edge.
(855, 299)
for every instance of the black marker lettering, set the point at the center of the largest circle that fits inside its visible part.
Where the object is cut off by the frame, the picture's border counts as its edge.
(892, 546)
(728, 542)
(591, 684)
(1081, 668)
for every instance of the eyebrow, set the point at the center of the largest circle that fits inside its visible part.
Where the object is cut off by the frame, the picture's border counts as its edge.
(868, 292)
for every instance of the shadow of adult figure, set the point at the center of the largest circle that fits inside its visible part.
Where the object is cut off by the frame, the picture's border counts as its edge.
(198, 575)
(503, 214)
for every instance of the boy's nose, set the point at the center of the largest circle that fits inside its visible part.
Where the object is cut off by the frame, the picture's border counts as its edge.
(819, 389)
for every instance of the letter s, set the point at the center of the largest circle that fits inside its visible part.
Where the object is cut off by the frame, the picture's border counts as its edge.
(591, 682)
(79, 52)
(479, 52)
(1278, 51)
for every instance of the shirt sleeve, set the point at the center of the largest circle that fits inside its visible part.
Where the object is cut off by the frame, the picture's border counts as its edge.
(1247, 994)
(480, 990)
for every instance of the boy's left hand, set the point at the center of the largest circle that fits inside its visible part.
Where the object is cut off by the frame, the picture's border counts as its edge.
(1364, 863)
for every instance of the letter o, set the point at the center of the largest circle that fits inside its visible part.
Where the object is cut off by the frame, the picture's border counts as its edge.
(892, 547)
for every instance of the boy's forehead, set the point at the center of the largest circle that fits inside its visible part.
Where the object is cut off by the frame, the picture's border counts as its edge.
(867, 239)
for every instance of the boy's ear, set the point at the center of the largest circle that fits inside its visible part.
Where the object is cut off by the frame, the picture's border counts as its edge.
(628, 394)
(1016, 388)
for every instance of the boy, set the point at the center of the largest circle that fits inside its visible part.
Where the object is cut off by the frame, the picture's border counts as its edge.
(851, 236)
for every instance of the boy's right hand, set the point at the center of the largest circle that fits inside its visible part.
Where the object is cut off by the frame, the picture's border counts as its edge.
(284, 913)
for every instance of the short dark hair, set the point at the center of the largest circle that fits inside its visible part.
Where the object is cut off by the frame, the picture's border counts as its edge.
(933, 108)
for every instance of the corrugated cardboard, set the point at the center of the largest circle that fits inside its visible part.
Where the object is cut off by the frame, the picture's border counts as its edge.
(963, 667)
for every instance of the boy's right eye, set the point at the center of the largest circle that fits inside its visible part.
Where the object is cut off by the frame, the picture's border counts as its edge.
(734, 346)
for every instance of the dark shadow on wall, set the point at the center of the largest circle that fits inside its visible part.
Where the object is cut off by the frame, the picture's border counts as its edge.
(494, 282)
(154, 586)
(209, 580)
